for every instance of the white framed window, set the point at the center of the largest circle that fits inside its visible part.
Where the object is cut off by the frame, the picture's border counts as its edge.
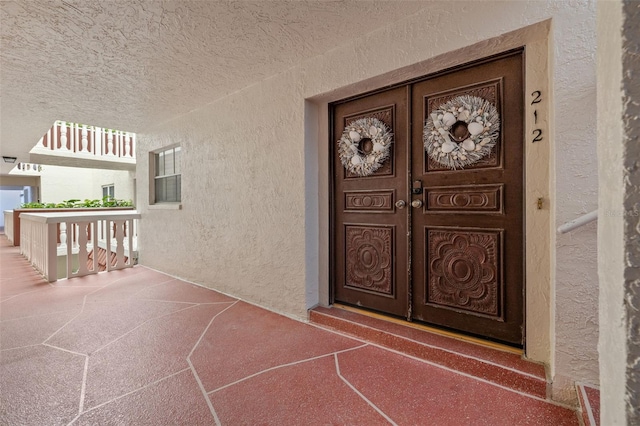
(166, 182)
(109, 191)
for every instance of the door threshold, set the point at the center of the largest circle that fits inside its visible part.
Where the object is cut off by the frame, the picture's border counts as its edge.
(451, 334)
(490, 361)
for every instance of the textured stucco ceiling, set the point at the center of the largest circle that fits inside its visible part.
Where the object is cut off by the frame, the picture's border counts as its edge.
(131, 64)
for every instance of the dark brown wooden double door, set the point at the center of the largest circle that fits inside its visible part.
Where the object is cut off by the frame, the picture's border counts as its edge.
(418, 240)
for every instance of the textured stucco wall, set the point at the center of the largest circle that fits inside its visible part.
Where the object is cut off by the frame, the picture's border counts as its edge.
(576, 181)
(631, 164)
(247, 224)
(65, 183)
(538, 171)
(241, 227)
(610, 229)
(619, 221)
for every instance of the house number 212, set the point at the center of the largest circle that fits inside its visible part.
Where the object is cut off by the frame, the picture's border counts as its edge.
(537, 98)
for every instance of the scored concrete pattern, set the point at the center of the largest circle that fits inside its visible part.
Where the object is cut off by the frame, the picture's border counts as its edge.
(138, 347)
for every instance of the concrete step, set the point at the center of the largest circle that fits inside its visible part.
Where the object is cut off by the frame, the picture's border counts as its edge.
(488, 361)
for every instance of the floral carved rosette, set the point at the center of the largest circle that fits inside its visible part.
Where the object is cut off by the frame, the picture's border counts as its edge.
(364, 145)
(461, 131)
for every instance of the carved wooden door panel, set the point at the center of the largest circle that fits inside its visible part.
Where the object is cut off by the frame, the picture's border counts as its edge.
(453, 255)
(370, 231)
(467, 237)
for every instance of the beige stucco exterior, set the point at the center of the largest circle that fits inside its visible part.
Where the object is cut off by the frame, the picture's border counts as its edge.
(59, 183)
(611, 261)
(54, 184)
(254, 214)
(619, 210)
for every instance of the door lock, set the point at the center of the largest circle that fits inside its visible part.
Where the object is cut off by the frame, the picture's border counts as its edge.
(416, 204)
(416, 188)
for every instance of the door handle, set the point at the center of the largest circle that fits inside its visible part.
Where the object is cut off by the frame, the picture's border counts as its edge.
(416, 204)
(400, 204)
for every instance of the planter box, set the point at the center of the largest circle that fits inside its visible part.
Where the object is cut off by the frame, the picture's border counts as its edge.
(17, 212)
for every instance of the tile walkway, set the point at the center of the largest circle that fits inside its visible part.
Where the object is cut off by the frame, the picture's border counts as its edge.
(137, 347)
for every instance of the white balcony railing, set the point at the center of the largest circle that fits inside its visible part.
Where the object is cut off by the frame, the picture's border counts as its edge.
(53, 242)
(87, 142)
(8, 224)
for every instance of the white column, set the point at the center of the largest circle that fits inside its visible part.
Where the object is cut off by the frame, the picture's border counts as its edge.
(84, 142)
(619, 219)
(63, 137)
(110, 142)
(130, 242)
(75, 235)
(94, 244)
(83, 253)
(72, 137)
(54, 145)
(98, 141)
(127, 145)
(119, 234)
(76, 137)
(118, 143)
(51, 264)
(63, 234)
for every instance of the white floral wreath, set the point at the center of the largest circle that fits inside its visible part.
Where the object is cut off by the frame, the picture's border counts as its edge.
(461, 131)
(363, 158)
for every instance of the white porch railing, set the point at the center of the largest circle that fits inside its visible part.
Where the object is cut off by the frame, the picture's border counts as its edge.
(74, 236)
(88, 142)
(8, 224)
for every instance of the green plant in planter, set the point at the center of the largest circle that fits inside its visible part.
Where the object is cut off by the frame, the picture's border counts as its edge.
(33, 205)
(67, 204)
(108, 201)
(90, 203)
(74, 203)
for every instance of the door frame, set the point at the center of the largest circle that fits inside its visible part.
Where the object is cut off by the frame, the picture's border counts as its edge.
(334, 166)
(539, 223)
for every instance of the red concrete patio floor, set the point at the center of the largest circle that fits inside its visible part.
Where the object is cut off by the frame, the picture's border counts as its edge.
(137, 347)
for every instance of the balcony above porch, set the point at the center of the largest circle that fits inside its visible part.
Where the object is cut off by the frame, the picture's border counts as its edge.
(80, 145)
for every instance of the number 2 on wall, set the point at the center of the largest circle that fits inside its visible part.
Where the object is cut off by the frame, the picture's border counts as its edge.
(537, 98)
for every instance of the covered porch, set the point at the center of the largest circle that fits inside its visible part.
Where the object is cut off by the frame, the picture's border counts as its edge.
(136, 346)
